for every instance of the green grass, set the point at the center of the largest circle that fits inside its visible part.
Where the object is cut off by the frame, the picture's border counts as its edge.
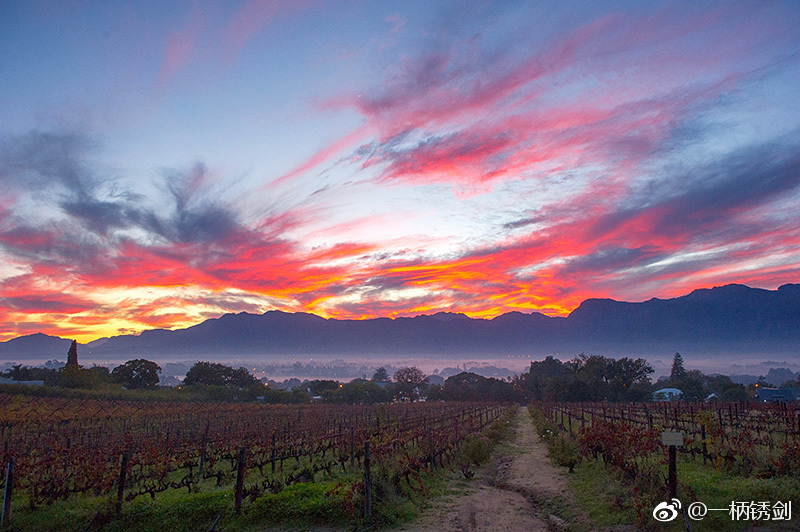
(178, 511)
(717, 489)
(299, 505)
(607, 500)
(170, 511)
(317, 502)
(601, 495)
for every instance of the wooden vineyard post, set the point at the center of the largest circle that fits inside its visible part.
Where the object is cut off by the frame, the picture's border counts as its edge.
(430, 447)
(672, 440)
(5, 517)
(703, 438)
(240, 472)
(352, 447)
(367, 483)
(123, 468)
(672, 479)
(272, 454)
(203, 444)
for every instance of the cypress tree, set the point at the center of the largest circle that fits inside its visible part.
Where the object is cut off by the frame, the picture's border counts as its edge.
(72, 355)
(678, 372)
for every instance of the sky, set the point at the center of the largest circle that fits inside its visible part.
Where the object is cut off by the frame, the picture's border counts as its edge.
(162, 163)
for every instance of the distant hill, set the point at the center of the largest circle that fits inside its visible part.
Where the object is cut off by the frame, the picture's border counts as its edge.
(35, 346)
(732, 318)
(731, 313)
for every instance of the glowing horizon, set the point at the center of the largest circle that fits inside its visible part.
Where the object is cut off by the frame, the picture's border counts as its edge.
(164, 165)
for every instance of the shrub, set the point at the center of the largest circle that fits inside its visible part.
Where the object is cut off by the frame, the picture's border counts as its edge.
(565, 451)
(475, 450)
(498, 430)
(788, 461)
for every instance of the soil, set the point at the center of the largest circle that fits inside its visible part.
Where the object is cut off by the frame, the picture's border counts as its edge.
(512, 494)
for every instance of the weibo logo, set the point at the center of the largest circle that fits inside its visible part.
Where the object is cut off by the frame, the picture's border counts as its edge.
(667, 511)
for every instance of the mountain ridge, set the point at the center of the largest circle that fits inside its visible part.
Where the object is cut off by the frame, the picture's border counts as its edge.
(730, 316)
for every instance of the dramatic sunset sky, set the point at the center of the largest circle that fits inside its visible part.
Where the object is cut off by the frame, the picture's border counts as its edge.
(166, 162)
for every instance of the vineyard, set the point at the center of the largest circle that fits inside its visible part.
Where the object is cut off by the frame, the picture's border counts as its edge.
(62, 448)
(753, 441)
(742, 436)
(245, 460)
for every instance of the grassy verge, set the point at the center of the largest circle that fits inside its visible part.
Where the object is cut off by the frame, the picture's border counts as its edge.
(607, 499)
(717, 489)
(178, 511)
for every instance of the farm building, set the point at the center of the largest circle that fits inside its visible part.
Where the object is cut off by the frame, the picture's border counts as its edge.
(770, 395)
(667, 394)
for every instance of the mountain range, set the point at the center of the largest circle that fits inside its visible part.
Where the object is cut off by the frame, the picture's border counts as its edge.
(726, 319)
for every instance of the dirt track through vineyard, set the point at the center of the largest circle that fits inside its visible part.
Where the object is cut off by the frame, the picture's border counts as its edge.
(509, 495)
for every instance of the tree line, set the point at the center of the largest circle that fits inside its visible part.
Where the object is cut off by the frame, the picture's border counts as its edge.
(216, 381)
(597, 378)
(584, 378)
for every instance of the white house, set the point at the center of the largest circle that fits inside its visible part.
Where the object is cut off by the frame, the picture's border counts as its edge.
(667, 394)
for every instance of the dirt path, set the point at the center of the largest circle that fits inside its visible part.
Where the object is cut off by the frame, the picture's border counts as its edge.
(510, 495)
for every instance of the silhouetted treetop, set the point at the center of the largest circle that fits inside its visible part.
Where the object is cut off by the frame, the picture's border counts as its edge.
(138, 373)
(216, 374)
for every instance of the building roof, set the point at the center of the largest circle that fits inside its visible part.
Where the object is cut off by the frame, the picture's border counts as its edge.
(775, 394)
(666, 393)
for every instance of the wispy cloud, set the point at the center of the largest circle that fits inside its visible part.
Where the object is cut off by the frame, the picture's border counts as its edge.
(470, 112)
(324, 154)
(253, 17)
(182, 48)
(208, 36)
